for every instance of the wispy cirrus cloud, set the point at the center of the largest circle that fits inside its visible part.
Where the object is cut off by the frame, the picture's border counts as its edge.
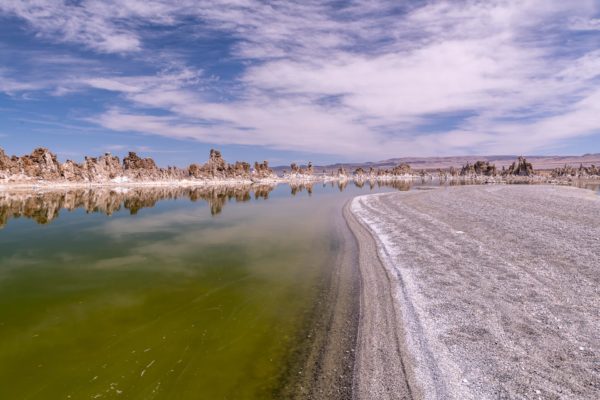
(12, 85)
(101, 26)
(374, 79)
(585, 24)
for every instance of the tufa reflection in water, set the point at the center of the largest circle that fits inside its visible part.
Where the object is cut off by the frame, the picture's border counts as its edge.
(401, 185)
(43, 207)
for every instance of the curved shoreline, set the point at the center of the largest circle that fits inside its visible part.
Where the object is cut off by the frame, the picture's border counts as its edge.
(355, 336)
(382, 370)
(495, 289)
(325, 371)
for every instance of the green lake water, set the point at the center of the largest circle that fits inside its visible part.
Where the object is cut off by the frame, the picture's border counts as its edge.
(165, 298)
(162, 294)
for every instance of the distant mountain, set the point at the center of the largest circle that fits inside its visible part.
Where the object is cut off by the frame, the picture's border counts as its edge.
(433, 163)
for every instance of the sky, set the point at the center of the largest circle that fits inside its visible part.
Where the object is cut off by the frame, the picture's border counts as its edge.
(325, 81)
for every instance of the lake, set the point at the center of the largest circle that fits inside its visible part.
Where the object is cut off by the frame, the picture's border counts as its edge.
(162, 293)
(165, 293)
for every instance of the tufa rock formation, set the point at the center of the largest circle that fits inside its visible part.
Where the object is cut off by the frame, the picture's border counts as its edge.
(569, 171)
(214, 168)
(218, 169)
(216, 165)
(301, 173)
(342, 173)
(402, 169)
(589, 171)
(360, 172)
(240, 169)
(479, 168)
(42, 165)
(262, 170)
(145, 169)
(520, 168)
(134, 163)
(6, 165)
(103, 168)
(565, 171)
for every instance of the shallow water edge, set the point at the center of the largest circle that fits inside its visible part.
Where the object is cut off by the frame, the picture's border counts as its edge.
(324, 369)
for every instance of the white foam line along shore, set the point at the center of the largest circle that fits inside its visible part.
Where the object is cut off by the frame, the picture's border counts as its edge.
(496, 292)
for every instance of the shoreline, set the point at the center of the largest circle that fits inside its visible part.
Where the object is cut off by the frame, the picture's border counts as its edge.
(325, 370)
(493, 288)
(382, 369)
(42, 168)
(47, 186)
(50, 186)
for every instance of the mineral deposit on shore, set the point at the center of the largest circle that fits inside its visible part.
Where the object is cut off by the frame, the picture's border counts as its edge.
(494, 293)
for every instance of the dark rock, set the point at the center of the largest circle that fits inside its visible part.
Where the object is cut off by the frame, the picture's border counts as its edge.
(133, 161)
(479, 168)
(520, 168)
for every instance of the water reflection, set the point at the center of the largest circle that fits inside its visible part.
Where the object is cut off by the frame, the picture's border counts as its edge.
(401, 185)
(590, 185)
(44, 207)
(170, 304)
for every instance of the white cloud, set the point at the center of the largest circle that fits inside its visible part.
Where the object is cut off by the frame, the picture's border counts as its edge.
(91, 23)
(11, 85)
(361, 80)
(585, 24)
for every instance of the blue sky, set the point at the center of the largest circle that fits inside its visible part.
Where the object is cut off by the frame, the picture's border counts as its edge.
(312, 80)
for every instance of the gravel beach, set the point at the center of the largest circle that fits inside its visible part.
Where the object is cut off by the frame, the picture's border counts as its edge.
(478, 292)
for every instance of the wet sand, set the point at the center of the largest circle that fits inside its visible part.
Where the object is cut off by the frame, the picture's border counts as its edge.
(325, 372)
(478, 292)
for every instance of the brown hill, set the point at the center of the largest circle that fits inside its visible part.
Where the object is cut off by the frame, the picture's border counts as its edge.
(434, 163)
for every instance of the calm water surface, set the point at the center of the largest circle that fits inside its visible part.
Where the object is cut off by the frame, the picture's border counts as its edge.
(176, 294)
(161, 294)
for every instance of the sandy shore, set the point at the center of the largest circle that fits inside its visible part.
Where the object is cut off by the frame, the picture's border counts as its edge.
(380, 370)
(478, 292)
